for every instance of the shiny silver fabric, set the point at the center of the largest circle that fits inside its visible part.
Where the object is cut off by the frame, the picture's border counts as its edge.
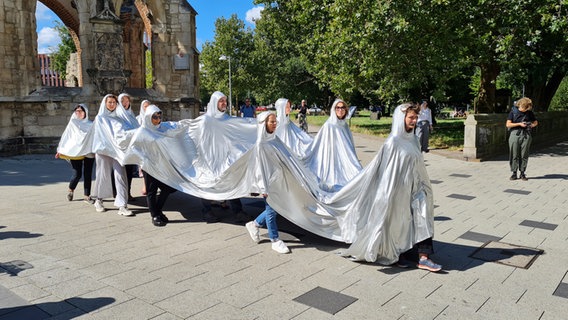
(140, 116)
(292, 136)
(331, 155)
(110, 131)
(389, 206)
(76, 140)
(383, 210)
(129, 112)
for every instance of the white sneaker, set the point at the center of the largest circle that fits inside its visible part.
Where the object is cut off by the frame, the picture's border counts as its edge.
(280, 247)
(253, 231)
(99, 205)
(125, 212)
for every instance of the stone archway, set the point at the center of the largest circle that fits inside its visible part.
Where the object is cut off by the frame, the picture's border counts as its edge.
(169, 24)
(30, 112)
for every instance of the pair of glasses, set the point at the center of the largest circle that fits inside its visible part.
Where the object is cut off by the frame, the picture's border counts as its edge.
(341, 108)
(156, 116)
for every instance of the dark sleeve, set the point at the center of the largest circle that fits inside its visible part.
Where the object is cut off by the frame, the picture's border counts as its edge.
(510, 116)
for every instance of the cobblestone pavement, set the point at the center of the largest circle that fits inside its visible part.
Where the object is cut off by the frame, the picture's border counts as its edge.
(63, 260)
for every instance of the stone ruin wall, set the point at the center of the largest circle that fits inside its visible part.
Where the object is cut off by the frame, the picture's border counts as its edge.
(33, 118)
(35, 125)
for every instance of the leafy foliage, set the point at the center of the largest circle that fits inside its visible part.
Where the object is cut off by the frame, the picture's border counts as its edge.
(61, 55)
(386, 52)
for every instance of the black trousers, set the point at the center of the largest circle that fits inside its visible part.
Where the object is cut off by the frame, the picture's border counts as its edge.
(156, 202)
(82, 168)
(425, 246)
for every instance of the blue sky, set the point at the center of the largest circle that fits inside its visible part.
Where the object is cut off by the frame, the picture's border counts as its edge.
(208, 11)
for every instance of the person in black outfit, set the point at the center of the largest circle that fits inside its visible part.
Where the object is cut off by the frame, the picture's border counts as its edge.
(156, 201)
(520, 122)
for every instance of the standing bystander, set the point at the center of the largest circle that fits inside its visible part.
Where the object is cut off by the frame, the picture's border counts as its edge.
(520, 122)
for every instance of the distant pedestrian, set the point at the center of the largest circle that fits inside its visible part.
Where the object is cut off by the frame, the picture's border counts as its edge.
(520, 122)
(302, 120)
(248, 110)
(424, 126)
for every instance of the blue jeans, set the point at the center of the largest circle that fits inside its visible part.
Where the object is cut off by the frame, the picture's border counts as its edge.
(268, 219)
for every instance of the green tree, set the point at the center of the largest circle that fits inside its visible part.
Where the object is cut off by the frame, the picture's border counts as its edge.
(280, 68)
(525, 40)
(407, 49)
(63, 51)
(149, 71)
(560, 100)
(232, 39)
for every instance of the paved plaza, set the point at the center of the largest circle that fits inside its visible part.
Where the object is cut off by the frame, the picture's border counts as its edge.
(503, 245)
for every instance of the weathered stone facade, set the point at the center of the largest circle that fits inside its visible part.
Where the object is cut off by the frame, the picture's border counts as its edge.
(110, 39)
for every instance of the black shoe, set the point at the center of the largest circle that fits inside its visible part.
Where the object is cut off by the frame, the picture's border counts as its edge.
(158, 222)
(164, 218)
(209, 217)
(523, 177)
(514, 176)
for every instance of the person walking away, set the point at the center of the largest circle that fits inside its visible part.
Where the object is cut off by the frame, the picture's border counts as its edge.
(302, 120)
(424, 126)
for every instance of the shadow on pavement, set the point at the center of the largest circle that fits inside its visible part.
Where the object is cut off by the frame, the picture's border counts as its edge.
(66, 309)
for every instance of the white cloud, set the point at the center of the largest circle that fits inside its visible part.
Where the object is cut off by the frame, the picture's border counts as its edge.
(254, 14)
(43, 13)
(47, 40)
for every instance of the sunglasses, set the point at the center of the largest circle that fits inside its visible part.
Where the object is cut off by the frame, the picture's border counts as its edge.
(341, 108)
(157, 116)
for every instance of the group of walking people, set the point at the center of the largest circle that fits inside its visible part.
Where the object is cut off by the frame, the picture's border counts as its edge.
(383, 209)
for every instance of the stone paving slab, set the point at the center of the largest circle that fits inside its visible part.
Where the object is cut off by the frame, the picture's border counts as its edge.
(89, 265)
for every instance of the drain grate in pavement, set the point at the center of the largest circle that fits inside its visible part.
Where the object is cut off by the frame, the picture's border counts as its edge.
(325, 300)
(479, 237)
(515, 191)
(539, 225)
(562, 290)
(507, 254)
(461, 196)
(460, 175)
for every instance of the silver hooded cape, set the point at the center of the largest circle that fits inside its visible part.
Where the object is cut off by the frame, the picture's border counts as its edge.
(220, 138)
(292, 136)
(332, 154)
(140, 116)
(389, 206)
(76, 140)
(110, 136)
(129, 112)
(383, 211)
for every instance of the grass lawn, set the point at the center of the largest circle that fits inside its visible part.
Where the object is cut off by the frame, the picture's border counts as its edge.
(448, 133)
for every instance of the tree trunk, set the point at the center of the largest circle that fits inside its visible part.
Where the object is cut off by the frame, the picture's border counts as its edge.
(487, 88)
(541, 92)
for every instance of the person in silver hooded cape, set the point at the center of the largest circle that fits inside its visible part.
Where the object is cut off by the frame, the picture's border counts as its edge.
(389, 206)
